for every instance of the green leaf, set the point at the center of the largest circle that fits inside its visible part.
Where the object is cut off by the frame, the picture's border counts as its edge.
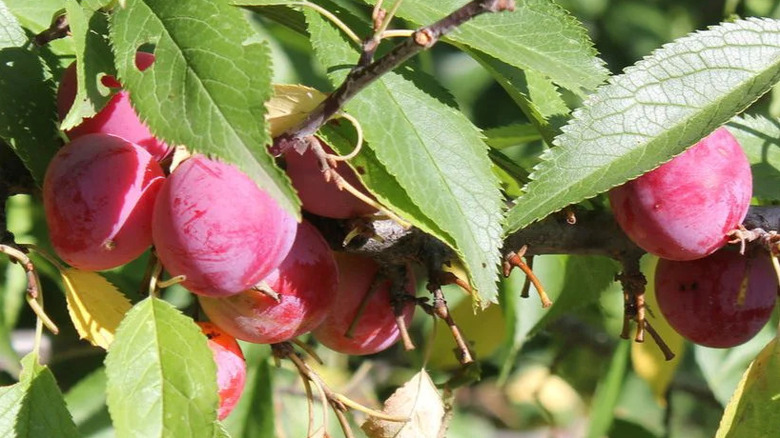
(89, 29)
(253, 416)
(161, 375)
(27, 107)
(539, 35)
(536, 96)
(87, 402)
(34, 407)
(760, 138)
(752, 411)
(380, 182)
(434, 152)
(652, 112)
(608, 391)
(722, 368)
(207, 86)
(37, 16)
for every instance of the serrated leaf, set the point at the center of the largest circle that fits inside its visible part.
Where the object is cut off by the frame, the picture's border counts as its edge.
(539, 35)
(647, 359)
(433, 151)
(760, 139)
(95, 306)
(536, 96)
(34, 406)
(289, 106)
(753, 409)
(207, 86)
(27, 108)
(379, 181)
(37, 16)
(161, 375)
(89, 30)
(419, 400)
(652, 112)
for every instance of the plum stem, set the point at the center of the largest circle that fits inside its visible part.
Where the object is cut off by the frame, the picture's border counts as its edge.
(338, 402)
(515, 260)
(34, 294)
(439, 309)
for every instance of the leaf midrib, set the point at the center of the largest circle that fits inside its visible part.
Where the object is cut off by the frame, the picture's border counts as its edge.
(207, 91)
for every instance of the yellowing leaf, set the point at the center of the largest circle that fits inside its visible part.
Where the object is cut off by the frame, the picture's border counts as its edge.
(95, 305)
(648, 360)
(417, 399)
(290, 105)
(754, 409)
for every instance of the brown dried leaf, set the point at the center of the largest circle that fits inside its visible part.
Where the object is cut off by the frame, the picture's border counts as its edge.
(418, 400)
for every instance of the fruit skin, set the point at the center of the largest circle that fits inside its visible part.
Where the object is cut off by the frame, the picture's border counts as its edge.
(306, 281)
(319, 196)
(117, 117)
(98, 195)
(376, 328)
(683, 209)
(701, 298)
(231, 367)
(214, 225)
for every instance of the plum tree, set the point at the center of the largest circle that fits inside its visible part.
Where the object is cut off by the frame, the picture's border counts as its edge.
(721, 300)
(215, 226)
(319, 196)
(231, 367)
(306, 282)
(683, 209)
(117, 117)
(362, 319)
(98, 194)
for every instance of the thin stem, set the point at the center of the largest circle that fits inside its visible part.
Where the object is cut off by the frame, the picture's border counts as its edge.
(330, 16)
(368, 411)
(363, 75)
(171, 281)
(48, 257)
(358, 142)
(397, 33)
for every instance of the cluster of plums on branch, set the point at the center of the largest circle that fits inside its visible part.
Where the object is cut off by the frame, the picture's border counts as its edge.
(259, 275)
(683, 212)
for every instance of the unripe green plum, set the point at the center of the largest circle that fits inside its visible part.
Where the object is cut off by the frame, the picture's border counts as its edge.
(215, 226)
(357, 327)
(319, 196)
(306, 282)
(117, 117)
(684, 209)
(231, 367)
(98, 195)
(721, 300)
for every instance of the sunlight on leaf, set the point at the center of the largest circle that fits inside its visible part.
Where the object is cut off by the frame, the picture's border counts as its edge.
(289, 106)
(753, 409)
(653, 111)
(417, 399)
(96, 306)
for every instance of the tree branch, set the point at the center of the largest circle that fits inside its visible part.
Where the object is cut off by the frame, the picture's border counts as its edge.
(362, 76)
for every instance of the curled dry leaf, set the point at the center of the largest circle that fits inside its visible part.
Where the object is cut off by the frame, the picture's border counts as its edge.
(95, 306)
(417, 399)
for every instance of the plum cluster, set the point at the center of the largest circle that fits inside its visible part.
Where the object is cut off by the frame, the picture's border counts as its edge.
(683, 212)
(259, 275)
